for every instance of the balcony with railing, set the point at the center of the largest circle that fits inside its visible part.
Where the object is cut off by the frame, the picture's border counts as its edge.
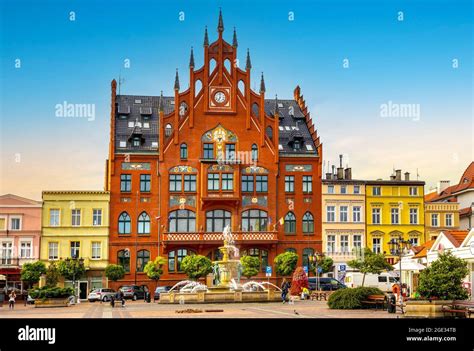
(215, 237)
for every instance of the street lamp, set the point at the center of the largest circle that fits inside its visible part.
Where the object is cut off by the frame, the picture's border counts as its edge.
(81, 262)
(398, 246)
(315, 259)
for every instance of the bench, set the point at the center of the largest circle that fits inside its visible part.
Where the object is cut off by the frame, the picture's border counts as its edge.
(461, 308)
(117, 303)
(320, 295)
(375, 300)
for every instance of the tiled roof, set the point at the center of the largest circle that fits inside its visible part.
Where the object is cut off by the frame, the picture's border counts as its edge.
(430, 196)
(466, 182)
(422, 250)
(456, 236)
(465, 211)
(292, 124)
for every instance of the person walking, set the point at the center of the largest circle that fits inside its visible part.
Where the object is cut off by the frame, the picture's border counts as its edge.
(122, 298)
(11, 301)
(284, 289)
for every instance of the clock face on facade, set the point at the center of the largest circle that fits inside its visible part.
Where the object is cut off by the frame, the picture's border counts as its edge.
(219, 97)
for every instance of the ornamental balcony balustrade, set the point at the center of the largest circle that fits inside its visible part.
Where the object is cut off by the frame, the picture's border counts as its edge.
(15, 262)
(217, 237)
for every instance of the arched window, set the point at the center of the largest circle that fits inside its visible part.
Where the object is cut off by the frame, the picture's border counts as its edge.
(228, 66)
(184, 151)
(143, 256)
(254, 220)
(254, 152)
(182, 221)
(308, 223)
(306, 253)
(262, 255)
(290, 223)
(216, 220)
(168, 130)
(124, 223)
(144, 223)
(176, 257)
(123, 259)
(269, 132)
(290, 249)
(256, 109)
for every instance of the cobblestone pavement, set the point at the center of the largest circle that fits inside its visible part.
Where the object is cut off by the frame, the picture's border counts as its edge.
(139, 309)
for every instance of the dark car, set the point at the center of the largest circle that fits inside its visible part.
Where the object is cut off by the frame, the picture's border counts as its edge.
(159, 290)
(325, 284)
(134, 292)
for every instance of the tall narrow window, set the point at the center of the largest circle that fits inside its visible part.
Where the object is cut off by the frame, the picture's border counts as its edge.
(230, 152)
(307, 184)
(25, 249)
(376, 216)
(182, 221)
(208, 151)
(356, 215)
(449, 219)
(290, 223)
(143, 256)
(75, 249)
(96, 250)
(76, 217)
(308, 223)
(183, 151)
(227, 181)
(124, 223)
(289, 184)
(376, 191)
(261, 184)
(357, 242)
(306, 253)
(377, 245)
(344, 243)
(175, 182)
(123, 259)
(145, 185)
(217, 220)
(53, 251)
(343, 213)
(190, 182)
(254, 220)
(434, 220)
(254, 152)
(413, 216)
(331, 213)
(247, 184)
(213, 181)
(125, 182)
(395, 215)
(97, 217)
(331, 243)
(144, 223)
(54, 217)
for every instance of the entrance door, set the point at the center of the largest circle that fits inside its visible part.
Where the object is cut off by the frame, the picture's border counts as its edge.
(83, 290)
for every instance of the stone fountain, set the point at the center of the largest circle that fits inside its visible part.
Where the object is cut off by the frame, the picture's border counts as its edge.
(226, 287)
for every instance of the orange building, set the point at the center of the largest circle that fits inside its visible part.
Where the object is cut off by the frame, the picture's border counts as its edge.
(183, 167)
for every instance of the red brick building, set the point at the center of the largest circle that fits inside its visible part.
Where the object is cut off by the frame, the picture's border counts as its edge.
(182, 167)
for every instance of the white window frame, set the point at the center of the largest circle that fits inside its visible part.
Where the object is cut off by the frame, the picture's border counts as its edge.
(395, 214)
(356, 214)
(433, 216)
(331, 244)
(333, 212)
(59, 217)
(96, 248)
(359, 242)
(450, 216)
(10, 224)
(379, 215)
(344, 249)
(413, 214)
(20, 249)
(345, 213)
(93, 217)
(379, 245)
(49, 250)
(413, 191)
(74, 214)
(375, 192)
(330, 189)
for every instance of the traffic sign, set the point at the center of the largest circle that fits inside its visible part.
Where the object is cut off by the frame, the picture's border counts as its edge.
(268, 271)
(342, 268)
(320, 270)
(305, 268)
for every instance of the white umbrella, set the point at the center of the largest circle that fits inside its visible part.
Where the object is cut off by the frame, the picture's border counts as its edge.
(409, 266)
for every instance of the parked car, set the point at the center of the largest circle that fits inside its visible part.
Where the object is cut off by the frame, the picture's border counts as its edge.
(384, 281)
(102, 294)
(159, 290)
(134, 292)
(325, 284)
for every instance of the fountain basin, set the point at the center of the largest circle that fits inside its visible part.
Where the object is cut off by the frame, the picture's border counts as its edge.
(220, 295)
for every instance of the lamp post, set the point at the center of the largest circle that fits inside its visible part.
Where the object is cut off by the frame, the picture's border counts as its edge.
(314, 259)
(398, 247)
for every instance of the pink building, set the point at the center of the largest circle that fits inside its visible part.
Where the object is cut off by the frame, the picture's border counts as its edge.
(20, 232)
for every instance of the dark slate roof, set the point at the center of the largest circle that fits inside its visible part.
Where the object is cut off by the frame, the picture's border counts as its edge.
(139, 112)
(292, 123)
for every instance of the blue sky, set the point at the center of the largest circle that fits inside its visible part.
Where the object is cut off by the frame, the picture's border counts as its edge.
(406, 62)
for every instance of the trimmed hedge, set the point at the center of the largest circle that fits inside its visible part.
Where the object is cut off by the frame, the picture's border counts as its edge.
(47, 292)
(351, 298)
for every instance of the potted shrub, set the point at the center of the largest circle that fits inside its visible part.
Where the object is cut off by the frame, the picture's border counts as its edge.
(51, 296)
(439, 285)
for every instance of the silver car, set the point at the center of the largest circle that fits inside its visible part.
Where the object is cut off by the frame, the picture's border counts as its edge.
(102, 294)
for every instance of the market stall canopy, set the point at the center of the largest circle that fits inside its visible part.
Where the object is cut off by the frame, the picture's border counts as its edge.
(409, 266)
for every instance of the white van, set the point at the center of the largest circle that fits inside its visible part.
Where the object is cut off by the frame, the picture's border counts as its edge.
(384, 281)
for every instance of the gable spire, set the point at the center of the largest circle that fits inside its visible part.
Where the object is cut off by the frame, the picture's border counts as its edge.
(176, 81)
(262, 85)
(160, 103)
(220, 26)
(234, 39)
(191, 59)
(248, 64)
(206, 38)
(277, 110)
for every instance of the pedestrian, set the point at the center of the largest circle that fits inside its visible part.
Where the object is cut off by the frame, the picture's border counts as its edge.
(122, 298)
(11, 301)
(24, 295)
(284, 289)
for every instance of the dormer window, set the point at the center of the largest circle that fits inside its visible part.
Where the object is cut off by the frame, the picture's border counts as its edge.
(297, 144)
(136, 142)
(168, 130)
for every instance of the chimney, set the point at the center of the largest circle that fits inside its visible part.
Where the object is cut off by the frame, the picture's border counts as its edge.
(333, 172)
(443, 184)
(340, 169)
(392, 177)
(328, 175)
(407, 176)
(348, 173)
(398, 174)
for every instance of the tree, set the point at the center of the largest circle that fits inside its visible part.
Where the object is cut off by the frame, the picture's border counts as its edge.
(285, 263)
(114, 272)
(370, 262)
(250, 266)
(325, 264)
(32, 272)
(71, 269)
(299, 281)
(443, 279)
(52, 275)
(154, 269)
(196, 266)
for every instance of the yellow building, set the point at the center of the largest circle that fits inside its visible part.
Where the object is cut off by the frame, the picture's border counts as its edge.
(343, 218)
(394, 207)
(75, 224)
(440, 216)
